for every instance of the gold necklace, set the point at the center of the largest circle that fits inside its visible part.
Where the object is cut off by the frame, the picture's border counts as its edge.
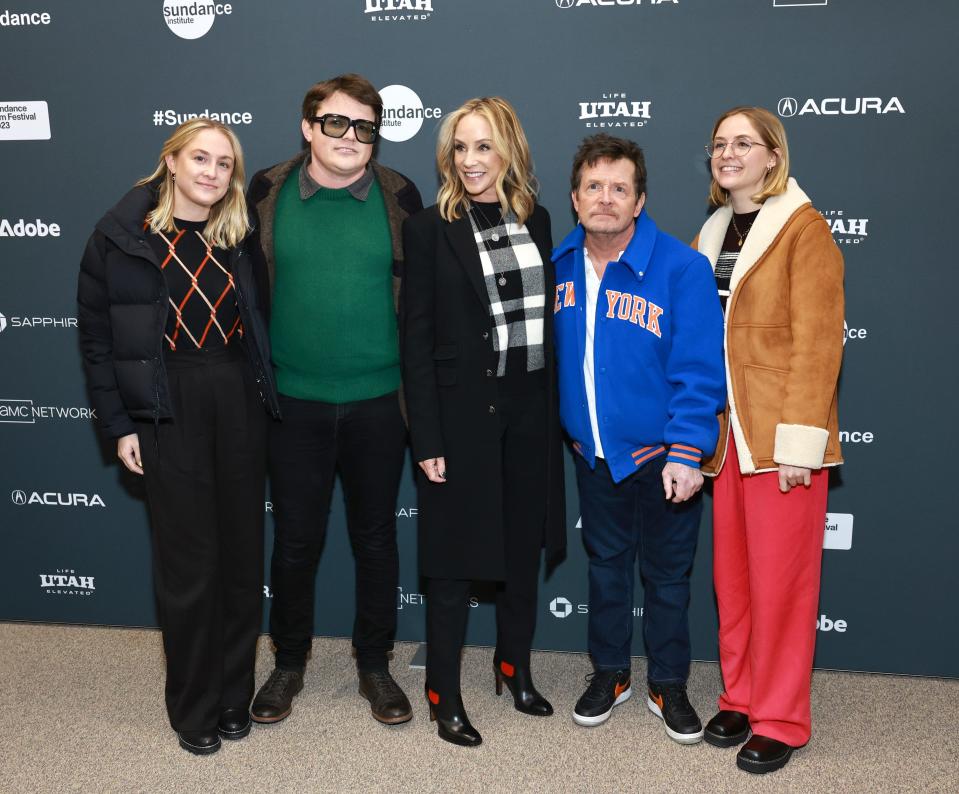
(742, 235)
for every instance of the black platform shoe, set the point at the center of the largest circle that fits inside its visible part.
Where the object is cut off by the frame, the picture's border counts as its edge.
(234, 723)
(762, 754)
(727, 729)
(519, 681)
(452, 724)
(199, 742)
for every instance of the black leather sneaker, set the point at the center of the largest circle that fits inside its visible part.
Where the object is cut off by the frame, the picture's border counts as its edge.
(607, 688)
(274, 701)
(670, 704)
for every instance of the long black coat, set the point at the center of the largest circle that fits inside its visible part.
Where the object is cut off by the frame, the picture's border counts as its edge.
(123, 304)
(448, 358)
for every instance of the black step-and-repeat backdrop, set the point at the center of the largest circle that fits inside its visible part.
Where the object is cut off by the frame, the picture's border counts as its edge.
(90, 90)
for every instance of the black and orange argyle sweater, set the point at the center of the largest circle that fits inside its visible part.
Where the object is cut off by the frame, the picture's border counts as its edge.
(203, 311)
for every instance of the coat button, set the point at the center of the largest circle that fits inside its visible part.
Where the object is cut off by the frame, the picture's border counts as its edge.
(492, 409)
(485, 334)
(489, 373)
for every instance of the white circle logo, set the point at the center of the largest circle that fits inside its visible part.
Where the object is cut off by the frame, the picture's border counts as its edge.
(191, 20)
(402, 113)
(564, 3)
(18, 497)
(787, 107)
(560, 607)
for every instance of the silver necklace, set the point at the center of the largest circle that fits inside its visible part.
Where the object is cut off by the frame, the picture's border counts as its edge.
(473, 210)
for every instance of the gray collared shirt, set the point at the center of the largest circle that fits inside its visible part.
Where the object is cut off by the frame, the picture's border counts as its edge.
(359, 189)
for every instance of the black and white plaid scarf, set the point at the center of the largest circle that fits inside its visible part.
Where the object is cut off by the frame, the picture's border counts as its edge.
(513, 271)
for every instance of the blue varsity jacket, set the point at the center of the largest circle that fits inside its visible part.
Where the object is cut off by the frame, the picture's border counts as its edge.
(658, 351)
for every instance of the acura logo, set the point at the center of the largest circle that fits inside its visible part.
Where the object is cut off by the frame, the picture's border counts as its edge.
(560, 607)
(18, 497)
(787, 107)
(564, 4)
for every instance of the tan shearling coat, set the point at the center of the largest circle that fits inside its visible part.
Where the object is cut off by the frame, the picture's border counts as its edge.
(783, 337)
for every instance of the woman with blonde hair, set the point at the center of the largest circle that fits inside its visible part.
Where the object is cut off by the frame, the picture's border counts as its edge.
(176, 355)
(779, 276)
(479, 379)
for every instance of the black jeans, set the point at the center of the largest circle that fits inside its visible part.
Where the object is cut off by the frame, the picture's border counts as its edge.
(205, 475)
(365, 441)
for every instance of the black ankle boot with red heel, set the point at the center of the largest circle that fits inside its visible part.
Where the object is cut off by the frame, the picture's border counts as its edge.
(452, 724)
(519, 681)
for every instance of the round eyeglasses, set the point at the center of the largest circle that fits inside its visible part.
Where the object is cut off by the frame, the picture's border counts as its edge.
(740, 147)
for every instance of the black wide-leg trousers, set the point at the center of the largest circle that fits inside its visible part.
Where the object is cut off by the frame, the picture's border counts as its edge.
(205, 475)
(523, 441)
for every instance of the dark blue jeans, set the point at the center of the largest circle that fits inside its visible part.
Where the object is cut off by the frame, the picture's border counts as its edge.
(622, 523)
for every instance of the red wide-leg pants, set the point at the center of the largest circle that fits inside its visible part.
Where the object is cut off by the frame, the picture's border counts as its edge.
(767, 556)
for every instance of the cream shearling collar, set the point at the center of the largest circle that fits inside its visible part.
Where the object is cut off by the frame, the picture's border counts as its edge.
(773, 216)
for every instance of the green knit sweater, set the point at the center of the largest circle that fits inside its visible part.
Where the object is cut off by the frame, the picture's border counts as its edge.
(333, 326)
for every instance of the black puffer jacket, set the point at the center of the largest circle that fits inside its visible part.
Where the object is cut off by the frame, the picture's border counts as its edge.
(123, 303)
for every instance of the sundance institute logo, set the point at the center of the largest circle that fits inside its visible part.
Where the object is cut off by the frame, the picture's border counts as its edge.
(192, 20)
(403, 113)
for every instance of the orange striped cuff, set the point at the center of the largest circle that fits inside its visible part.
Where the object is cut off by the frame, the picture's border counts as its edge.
(641, 455)
(684, 453)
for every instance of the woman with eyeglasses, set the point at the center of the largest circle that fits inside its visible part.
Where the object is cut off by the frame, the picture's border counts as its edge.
(780, 279)
(177, 358)
(479, 375)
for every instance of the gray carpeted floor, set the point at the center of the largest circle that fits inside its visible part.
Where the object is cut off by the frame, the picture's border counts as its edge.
(83, 711)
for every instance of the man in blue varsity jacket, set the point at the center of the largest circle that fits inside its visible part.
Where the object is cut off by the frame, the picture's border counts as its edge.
(639, 346)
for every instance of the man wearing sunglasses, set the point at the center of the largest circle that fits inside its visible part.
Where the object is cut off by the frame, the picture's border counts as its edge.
(327, 246)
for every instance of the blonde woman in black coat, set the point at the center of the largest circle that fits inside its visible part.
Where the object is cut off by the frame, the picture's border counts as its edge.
(479, 379)
(177, 361)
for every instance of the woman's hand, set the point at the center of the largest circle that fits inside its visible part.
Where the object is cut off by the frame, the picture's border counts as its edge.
(790, 476)
(435, 469)
(128, 450)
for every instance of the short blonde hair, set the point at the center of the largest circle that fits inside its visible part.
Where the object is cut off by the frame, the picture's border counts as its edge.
(773, 135)
(229, 222)
(516, 187)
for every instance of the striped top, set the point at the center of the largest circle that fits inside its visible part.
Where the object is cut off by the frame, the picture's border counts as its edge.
(730, 252)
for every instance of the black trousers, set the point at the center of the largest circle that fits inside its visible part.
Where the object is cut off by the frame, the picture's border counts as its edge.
(523, 442)
(365, 441)
(204, 474)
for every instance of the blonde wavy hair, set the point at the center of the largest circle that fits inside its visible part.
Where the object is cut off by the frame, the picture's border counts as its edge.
(516, 187)
(773, 135)
(229, 222)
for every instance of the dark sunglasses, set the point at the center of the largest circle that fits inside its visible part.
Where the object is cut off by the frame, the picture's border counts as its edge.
(334, 125)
